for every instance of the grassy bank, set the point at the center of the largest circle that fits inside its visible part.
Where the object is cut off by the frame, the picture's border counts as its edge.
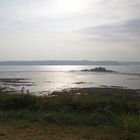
(92, 114)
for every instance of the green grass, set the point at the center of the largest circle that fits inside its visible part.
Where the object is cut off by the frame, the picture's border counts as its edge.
(117, 114)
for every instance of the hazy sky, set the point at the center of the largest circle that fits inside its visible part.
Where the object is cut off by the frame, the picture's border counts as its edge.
(70, 29)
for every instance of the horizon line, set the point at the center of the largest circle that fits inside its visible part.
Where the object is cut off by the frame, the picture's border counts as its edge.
(70, 60)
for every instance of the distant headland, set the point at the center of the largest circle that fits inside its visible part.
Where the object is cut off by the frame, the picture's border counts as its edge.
(69, 62)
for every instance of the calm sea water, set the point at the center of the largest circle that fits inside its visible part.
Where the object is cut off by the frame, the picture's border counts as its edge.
(50, 78)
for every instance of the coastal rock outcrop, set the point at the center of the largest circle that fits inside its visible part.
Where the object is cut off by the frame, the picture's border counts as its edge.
(98, 69)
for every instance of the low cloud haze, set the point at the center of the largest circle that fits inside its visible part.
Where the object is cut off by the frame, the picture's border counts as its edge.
(70, 29)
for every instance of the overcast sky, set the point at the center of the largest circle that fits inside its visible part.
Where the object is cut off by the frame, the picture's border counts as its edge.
(70, 29)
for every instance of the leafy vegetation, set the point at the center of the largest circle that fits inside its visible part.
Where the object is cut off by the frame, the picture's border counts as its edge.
(117, 114)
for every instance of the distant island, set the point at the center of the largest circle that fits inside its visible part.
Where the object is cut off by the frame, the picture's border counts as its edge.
(69, 62)
(102, 69)
(98, 69)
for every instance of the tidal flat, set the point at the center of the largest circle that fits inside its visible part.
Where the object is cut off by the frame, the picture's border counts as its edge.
(87, 113)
